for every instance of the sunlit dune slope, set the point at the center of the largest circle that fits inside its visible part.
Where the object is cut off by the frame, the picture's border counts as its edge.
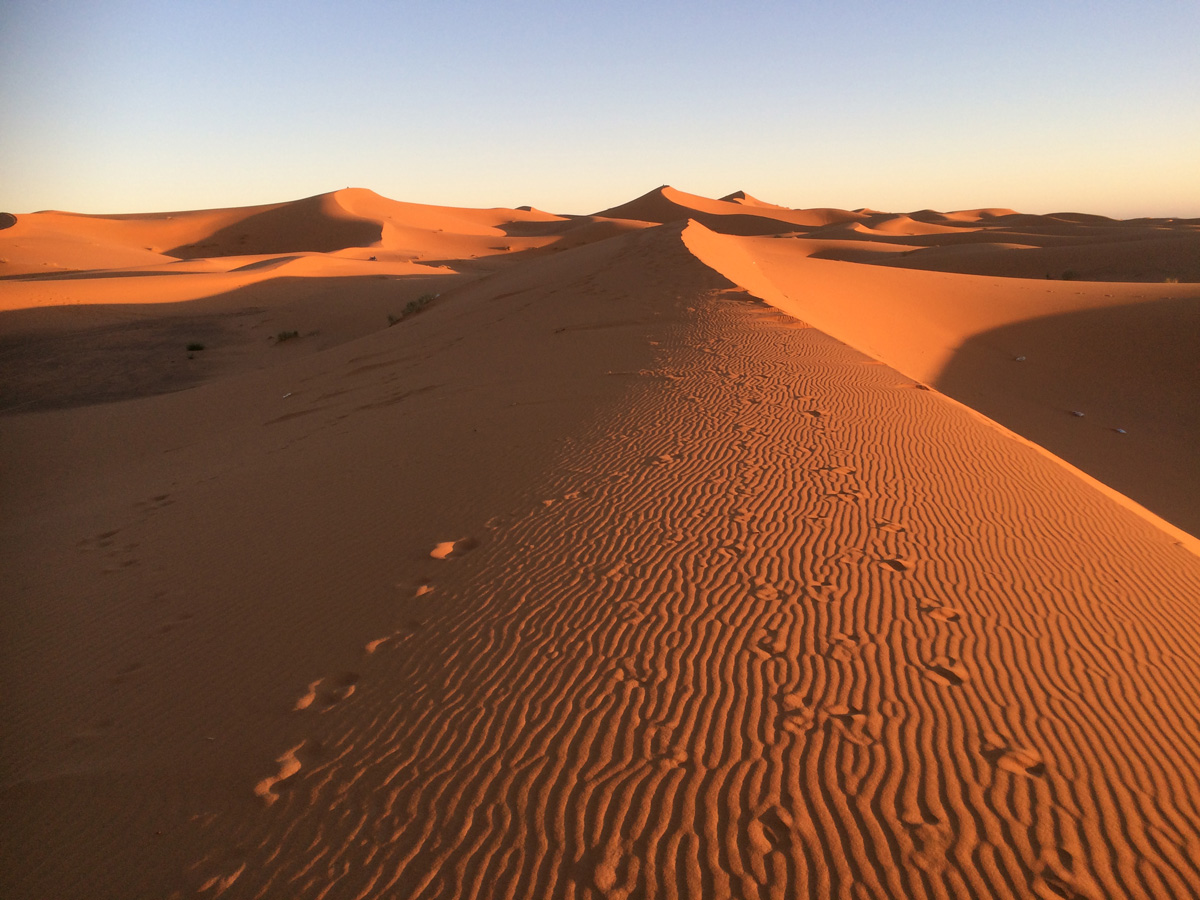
(1103, 375)
(341, 220)
(666, 204)
(611, 556)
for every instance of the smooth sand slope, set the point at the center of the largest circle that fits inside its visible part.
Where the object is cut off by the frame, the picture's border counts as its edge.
(596, 570)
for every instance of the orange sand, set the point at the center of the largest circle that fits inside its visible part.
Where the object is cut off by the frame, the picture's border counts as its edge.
(695, 548)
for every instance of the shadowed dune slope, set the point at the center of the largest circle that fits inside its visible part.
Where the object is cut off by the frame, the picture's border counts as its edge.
(572, 568)
(1132, 369)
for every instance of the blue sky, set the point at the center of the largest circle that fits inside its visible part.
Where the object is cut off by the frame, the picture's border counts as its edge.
(131, 106)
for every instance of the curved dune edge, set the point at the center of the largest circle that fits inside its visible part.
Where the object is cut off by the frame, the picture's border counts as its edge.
(735, 263)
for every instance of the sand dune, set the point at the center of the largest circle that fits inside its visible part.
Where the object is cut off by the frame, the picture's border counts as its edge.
(666, 204)
(623, 555)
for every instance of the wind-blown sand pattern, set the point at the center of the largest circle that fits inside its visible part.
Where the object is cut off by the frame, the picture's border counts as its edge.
(598, 576)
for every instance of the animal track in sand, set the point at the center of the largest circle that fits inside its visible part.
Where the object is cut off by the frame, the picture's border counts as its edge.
(853, 723)
(842, 647)
(838, 470)
(947, 671)
(663, 459)
(941, 613)
(453, 549)
(769, 644)
(771, 830)
(764, 590)
(1017, 760)
(796, 713)
(1057, 871)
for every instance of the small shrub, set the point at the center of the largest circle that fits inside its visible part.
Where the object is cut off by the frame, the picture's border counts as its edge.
(1070, 275)
(193, 347)
(412, 307)
(1172, 280)
(286, 336)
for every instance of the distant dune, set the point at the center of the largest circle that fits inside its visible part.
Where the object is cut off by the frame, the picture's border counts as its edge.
(359, 548)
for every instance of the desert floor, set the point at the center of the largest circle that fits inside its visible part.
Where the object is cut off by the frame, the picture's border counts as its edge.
(692, 548)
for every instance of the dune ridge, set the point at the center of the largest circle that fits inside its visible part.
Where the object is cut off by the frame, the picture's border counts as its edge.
(741, 691)
(594, 556)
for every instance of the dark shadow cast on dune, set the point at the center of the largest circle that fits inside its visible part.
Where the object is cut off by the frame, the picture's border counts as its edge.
(304, 225)
(1115, 392)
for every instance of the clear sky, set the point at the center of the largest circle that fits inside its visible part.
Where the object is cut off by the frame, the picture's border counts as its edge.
(572, 106)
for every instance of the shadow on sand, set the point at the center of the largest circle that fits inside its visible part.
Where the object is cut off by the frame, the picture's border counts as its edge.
(1133, 371)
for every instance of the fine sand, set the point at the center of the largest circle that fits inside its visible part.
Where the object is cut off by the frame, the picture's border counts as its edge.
(693, 548)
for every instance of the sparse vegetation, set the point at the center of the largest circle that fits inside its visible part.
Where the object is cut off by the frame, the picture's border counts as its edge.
(1070, 275)
(412, 307)
(194, 346)
(1172, 280)
(286, 336)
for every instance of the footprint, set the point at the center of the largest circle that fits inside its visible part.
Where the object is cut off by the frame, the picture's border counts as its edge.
(768, 644)
(424, 585)
(796, 714)
(894, 564)
(1017, 760)
(341, 690)
(772, 830)
(941, 613)
(1056, 872)
(453, 549)
(838, 470)
(842, 647)
(932, 841)
(855, 725)
(764, 590)
(947, 671)
(289, 765)
(309, 696)
(1049, 885)
(663, 459)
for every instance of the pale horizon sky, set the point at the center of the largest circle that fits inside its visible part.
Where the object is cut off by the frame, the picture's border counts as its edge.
(132, 106)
